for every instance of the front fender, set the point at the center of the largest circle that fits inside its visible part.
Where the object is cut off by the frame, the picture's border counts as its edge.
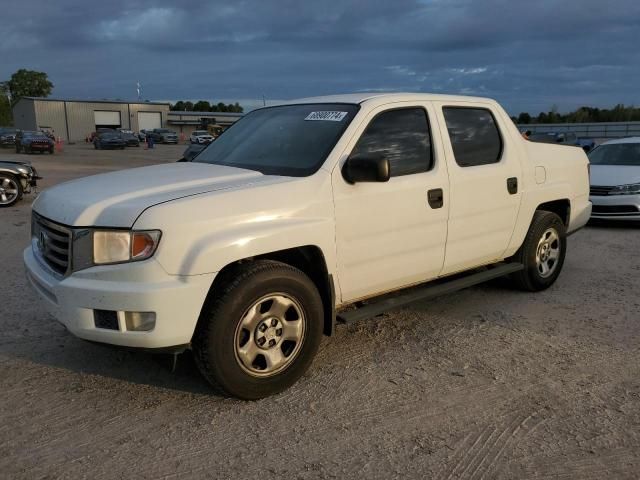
(204, 233)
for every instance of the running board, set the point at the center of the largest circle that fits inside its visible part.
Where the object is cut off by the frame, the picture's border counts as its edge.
(428, 291)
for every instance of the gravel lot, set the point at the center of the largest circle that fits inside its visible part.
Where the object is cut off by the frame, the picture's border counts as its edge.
(486, 383)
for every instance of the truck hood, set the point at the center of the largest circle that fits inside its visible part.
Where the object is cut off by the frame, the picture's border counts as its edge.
(612, 175)
(116, 199)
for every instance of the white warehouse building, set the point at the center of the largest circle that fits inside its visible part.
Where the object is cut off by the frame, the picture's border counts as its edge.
(74, 120)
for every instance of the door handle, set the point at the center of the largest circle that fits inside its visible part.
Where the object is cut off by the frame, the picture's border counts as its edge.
(435, 198)
(512, 185)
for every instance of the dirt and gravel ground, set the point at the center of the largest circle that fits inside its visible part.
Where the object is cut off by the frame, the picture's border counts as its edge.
(486, 383)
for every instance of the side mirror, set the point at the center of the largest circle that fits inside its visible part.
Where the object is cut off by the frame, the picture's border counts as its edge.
(366, 169)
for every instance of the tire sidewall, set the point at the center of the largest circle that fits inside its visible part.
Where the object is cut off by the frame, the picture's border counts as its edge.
(221, 334)
(542, 223)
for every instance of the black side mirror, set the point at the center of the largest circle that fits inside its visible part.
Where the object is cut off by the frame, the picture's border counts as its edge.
(366, 169)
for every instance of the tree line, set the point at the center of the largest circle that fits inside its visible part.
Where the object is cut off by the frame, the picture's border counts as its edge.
(619, 113)
(204, 106)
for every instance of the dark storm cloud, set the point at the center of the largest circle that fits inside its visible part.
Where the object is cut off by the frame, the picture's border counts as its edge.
(529, 55)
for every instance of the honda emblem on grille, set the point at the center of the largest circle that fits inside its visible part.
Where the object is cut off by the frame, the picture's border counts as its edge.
(43, 240)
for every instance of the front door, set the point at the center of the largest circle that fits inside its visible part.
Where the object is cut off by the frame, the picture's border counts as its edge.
(389, 234)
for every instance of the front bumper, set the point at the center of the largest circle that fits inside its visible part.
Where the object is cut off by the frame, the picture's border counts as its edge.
(39, 146)
(169, 140)
(615, 207)
(134, 287)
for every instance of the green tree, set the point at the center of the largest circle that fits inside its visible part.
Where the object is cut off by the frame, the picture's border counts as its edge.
(202, 106)
(29, 83)
(6, 118)
(178, 106)
(188, 106)
(524, 118)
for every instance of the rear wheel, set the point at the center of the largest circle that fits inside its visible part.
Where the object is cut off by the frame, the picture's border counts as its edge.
(10, 189)
(259, 334)
(542, 252)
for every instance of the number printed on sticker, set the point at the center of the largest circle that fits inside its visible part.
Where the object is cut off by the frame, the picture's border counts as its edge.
(327, 116)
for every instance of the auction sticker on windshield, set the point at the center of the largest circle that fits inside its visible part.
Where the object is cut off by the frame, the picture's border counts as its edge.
(327, 116)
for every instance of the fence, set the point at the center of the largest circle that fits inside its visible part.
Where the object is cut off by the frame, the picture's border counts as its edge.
(588, 130)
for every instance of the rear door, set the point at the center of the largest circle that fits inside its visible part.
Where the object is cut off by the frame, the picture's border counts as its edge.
(387, 234)
(485, 178)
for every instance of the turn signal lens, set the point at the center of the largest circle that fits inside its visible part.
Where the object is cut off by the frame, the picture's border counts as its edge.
(143, 244)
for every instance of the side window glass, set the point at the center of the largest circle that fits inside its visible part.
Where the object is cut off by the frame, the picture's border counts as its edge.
(474, 136)
(402, 136)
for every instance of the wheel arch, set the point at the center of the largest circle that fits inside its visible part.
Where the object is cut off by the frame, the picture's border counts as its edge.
(561, 207)
(308, 259)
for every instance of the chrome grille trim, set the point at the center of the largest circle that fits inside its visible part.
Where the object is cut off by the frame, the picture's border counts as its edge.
(53, 242)
(600, 190)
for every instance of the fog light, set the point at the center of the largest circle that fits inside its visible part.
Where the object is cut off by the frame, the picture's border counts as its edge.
(140, 321)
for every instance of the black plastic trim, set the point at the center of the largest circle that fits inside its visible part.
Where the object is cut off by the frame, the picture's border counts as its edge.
(428, 291)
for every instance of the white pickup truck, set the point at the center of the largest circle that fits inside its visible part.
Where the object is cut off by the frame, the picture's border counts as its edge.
(303, 215)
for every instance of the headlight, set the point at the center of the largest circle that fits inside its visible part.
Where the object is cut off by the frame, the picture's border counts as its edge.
(117, 246)
(631, 189)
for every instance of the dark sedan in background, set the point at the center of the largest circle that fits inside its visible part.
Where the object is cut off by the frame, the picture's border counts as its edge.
(110, 139)
(130, 139)
(7, 137)
(31, 141)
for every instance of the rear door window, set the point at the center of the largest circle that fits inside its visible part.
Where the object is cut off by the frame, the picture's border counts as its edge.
(474, 135)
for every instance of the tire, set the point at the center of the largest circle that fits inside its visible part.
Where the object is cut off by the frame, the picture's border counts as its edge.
(10, 189)
(245, 324)
(542, 253)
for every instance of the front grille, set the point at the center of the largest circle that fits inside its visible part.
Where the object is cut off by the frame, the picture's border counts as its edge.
(53, 241)
(614, 209)
(600, 191)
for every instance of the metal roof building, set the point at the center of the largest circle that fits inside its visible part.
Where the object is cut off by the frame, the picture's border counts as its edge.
(73, 120)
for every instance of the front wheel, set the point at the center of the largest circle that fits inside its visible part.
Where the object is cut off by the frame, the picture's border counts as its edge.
(542, 252)
(10, 189)
(258, 334)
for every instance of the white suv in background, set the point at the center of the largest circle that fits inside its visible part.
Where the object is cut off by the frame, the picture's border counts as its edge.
(201, 137)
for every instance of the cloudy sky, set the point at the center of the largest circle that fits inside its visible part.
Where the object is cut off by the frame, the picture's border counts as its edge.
(530, 55)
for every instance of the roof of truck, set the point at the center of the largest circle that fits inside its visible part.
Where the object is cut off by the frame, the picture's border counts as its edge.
(391, 96)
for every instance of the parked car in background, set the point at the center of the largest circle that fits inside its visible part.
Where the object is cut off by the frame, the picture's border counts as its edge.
(16, 179)
(111, 139)
(130, 139)
(142, 136)
(28, 141)
(163, 135)
(615, 180)
(8, 136)
(564, 138)
(202, 137)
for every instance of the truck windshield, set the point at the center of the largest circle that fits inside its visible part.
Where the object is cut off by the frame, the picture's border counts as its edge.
(616, 154)
(290, 140)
